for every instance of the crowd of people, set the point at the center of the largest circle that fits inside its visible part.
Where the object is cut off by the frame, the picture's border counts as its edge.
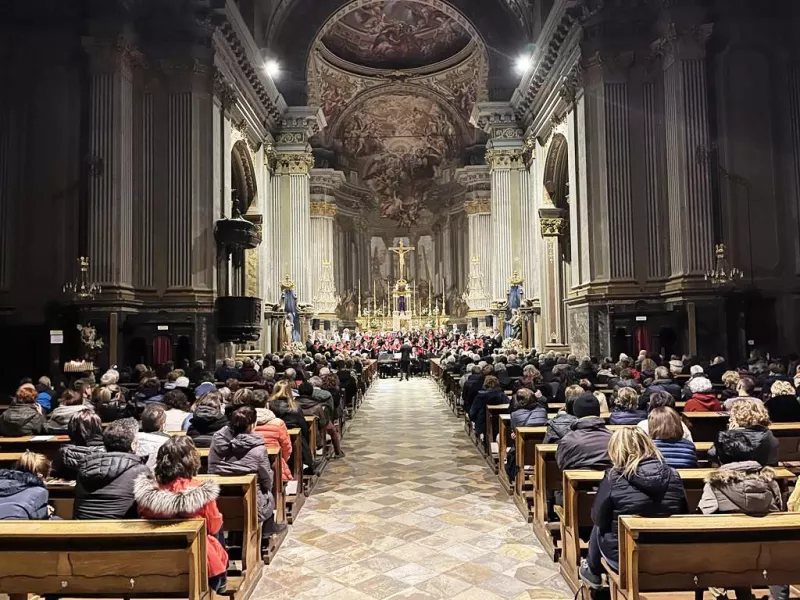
(640, 461)
(126, 461)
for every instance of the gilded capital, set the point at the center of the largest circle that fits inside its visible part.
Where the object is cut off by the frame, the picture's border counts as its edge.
(294, 163)
(554, 227)
(323, 209)
(478, 207)
(506, 158)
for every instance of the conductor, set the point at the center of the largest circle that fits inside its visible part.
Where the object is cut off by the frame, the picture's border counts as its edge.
(405, 360)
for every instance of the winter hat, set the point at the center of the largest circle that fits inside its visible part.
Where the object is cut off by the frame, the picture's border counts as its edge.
(699, 385)
(586, 405)
(182, 383)
(110, 377)
(264, 415)
(696, 370)
(204, 388)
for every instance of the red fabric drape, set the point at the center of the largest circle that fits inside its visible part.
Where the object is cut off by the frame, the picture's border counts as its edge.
(642, 338)
(162, 350)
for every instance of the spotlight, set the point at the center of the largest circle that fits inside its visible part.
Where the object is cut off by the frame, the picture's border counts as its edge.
(272, 68)
(522, 64)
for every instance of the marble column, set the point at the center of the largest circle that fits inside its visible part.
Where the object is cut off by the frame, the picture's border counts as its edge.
(324, 247)
(477, 206)
(691, 220)
(189, 172)
(504, 155)
(110, 190)
(294, 162)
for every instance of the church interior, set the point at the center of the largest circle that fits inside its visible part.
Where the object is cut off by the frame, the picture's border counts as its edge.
(418, 188)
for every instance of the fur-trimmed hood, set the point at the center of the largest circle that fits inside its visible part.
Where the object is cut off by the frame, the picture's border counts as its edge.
(179, 498)
(264, 416)
(744, 487)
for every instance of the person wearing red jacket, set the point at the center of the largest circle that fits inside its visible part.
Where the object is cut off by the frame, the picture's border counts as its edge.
(703, 398)
(174, 493)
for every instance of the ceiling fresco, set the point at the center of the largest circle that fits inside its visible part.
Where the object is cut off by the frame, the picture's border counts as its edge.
(401, 142)
(396, 34)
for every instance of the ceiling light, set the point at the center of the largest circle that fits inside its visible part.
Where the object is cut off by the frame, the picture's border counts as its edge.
(522, 64)
(272, 68)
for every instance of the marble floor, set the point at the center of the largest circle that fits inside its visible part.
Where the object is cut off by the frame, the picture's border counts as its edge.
(413, 511)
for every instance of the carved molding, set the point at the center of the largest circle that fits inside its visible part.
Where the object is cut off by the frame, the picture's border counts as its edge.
(505, 158)
(478, 207)
(294, 163)
(529, 151)
(554, 227)
(688, 44)
(497, 119)
(323, 209)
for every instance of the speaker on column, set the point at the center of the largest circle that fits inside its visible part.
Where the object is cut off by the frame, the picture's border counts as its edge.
(326, 325)
(488, 321)
(314, 324)
(475, 323)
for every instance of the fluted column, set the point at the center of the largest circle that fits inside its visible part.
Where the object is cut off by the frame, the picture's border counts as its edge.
(187, 196)
(691, 220)
(477, 205)
(324, 247)
(110, 189)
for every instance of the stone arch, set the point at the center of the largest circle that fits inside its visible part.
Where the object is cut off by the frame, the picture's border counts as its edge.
(556, 172)
(243, 176)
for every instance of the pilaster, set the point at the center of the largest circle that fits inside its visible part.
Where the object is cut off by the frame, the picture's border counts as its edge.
(477, 205)
(324, 247)
(554, 226)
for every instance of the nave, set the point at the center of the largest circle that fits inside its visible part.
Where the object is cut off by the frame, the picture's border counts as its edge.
(412, 512)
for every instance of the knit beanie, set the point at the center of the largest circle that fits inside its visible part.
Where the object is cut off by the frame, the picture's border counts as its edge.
(586, 405)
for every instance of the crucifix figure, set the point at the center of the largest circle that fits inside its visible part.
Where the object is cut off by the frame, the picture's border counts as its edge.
(401, 250)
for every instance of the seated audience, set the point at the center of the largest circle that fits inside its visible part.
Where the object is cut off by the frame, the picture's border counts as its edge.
(178, 408)
(745, 389)
(172, 492)
(237, 450)
(743, 487)
(24, 416)
(149, 391)
(86, 439)
(491, 393)
(530, 409)
(638, 483)
(45, 394)
(313, 402)
(23, 492)
(625, 410)
(110, 403)
(782, 404)
(586, 445)
(104, 488)
(206, 420)
(69, 404)
(703, 398)
(666, 430)
(663, 399)
(273, 430)
(249, 371)
(717, 369)
(730, 379)
(748, 436)
(662, 383)
(283, 404)
(152, 433)
(561, 424)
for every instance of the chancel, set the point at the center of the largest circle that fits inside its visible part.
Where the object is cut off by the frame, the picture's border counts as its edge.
(403, 298)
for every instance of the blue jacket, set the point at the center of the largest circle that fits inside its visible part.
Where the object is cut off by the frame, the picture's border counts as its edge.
(534, 417)
(45, 400)
(477, 412)
(678, 454)
(23, 496)
(621, 416)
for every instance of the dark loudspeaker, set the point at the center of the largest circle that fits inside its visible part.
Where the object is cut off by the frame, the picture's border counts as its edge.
(475, 323)
(488, 321)
(326, 325)
(314, 324)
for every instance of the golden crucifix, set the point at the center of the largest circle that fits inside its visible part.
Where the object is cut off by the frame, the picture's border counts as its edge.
(401, 250)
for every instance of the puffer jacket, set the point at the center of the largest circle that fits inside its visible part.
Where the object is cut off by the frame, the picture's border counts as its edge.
(147, 445)
(275, 434)
(678, 454)
(23, 496)
(242, 454)
(185, 499)
(739, 445)
(477, 412)
(783, 409)
(624, 416)
(58, 423)
(294, 419)
(741, 487)
(585, 446)
(205, 422)
(558, 427)
(19, 420)
(104, 488)
(70, 458)
(533, 417)
(654, 490)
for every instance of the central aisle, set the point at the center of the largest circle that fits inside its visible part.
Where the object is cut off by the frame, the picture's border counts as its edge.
(412, 512)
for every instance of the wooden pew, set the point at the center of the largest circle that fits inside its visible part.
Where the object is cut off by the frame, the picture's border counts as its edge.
(705, 426)
(504, 432)
(694, 552)
(295, 490)
(580, 488)
(548, 481)
(489, 447)
(319, 464)
(239, 507)
(130, 559)
(526, 440)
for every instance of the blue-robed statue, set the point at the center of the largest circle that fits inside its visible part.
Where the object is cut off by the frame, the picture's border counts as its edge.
(515, 293)
(291, 318)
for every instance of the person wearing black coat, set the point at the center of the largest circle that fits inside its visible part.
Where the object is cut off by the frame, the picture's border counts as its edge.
(662, 383)
(347, 382)
(104, 487)
(490, 394)
(586, 445)
(748, 436)
(783, 405)
(86, 439)
(24, 416)
(207, 420)
(639, 483)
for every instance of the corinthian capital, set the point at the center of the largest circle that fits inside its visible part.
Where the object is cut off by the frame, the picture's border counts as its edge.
(506, 158)
(687, 43)
(497, 119)
(294, 163)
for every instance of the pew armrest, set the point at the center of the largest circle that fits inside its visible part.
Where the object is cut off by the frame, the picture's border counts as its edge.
(559, 510)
